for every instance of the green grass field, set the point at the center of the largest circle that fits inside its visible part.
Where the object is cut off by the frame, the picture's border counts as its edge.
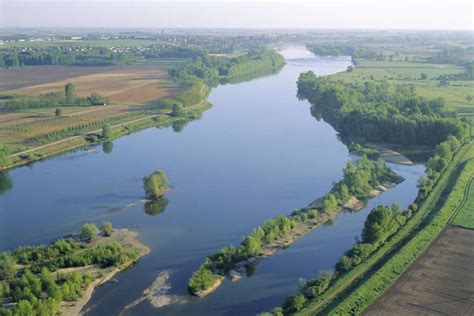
(465, 215)
(398, 73)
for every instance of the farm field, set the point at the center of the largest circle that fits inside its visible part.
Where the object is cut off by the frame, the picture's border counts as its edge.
(130, 89)
(16, 78)
(440, 282)
(400, 72)
(136, 84)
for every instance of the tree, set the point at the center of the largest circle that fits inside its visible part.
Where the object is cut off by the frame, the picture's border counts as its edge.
(107, 228)
(344, 194)
(469, 98)
(156, 184)
(89, 232)
(294, 303)
(58, 112)
(69, 89)
(350, 68)
(329, 203)
(424, 76)
(97, 99)
(177, 110)
(4, 155)
(7, 266)
(106, 131)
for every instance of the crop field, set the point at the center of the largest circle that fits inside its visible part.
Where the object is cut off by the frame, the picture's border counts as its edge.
(16, 78)
(440, 282)
(136, 84)
(131, 90)
(401, 72)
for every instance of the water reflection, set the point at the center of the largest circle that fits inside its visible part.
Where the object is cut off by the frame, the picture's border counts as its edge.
(107, 147)
(156, 207)
(6, 183)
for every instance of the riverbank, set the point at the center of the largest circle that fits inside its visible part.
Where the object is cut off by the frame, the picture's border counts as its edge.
(128, 240)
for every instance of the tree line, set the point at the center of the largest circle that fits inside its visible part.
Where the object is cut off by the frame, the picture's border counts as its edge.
(100, 56)
(52, 99)
(379, 112)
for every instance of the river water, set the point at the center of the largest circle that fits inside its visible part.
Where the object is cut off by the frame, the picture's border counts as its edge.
(256, 154)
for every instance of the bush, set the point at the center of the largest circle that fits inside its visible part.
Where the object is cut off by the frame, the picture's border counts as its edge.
(107, 228)
(89, 232)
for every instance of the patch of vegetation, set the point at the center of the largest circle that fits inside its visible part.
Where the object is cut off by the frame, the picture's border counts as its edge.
(379, 112)
(156, 184)
(32, 281)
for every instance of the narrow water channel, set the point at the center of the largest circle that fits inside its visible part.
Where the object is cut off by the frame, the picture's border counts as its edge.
(256, 154)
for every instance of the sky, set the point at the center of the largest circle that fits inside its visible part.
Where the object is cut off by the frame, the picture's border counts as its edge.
(300, 14)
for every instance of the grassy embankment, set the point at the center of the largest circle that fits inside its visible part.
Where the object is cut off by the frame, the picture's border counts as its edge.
(355, 290)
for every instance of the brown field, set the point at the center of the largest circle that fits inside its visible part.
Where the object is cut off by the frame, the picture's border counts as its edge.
(440, 282)
(131, 90)
(120, 84)
(17, 78)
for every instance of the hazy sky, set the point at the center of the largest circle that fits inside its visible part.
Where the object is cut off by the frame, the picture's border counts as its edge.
(380, 14)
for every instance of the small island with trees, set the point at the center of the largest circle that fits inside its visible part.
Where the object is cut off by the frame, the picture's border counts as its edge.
(156, 185)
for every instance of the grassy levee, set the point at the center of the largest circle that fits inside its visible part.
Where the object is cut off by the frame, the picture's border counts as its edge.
(401, 251)
(464, 217)
(334, 296)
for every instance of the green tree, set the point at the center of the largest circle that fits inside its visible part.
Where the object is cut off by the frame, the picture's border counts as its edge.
(177, 110)
(4, 155)
(69, 89)
(89, 232)
(294, 303)
(156, 184)
(58, 112)
(97, 99)
(7, 266)
(107, 228)
(202, 278)
(344, 194)
(329, 203)
(424, 76)
(106, 131)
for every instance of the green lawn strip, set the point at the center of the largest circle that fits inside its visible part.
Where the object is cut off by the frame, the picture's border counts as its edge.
(345, 281)
(464, 216)
(447, 198)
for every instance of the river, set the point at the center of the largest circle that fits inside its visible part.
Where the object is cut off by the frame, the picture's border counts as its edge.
(256, 154)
